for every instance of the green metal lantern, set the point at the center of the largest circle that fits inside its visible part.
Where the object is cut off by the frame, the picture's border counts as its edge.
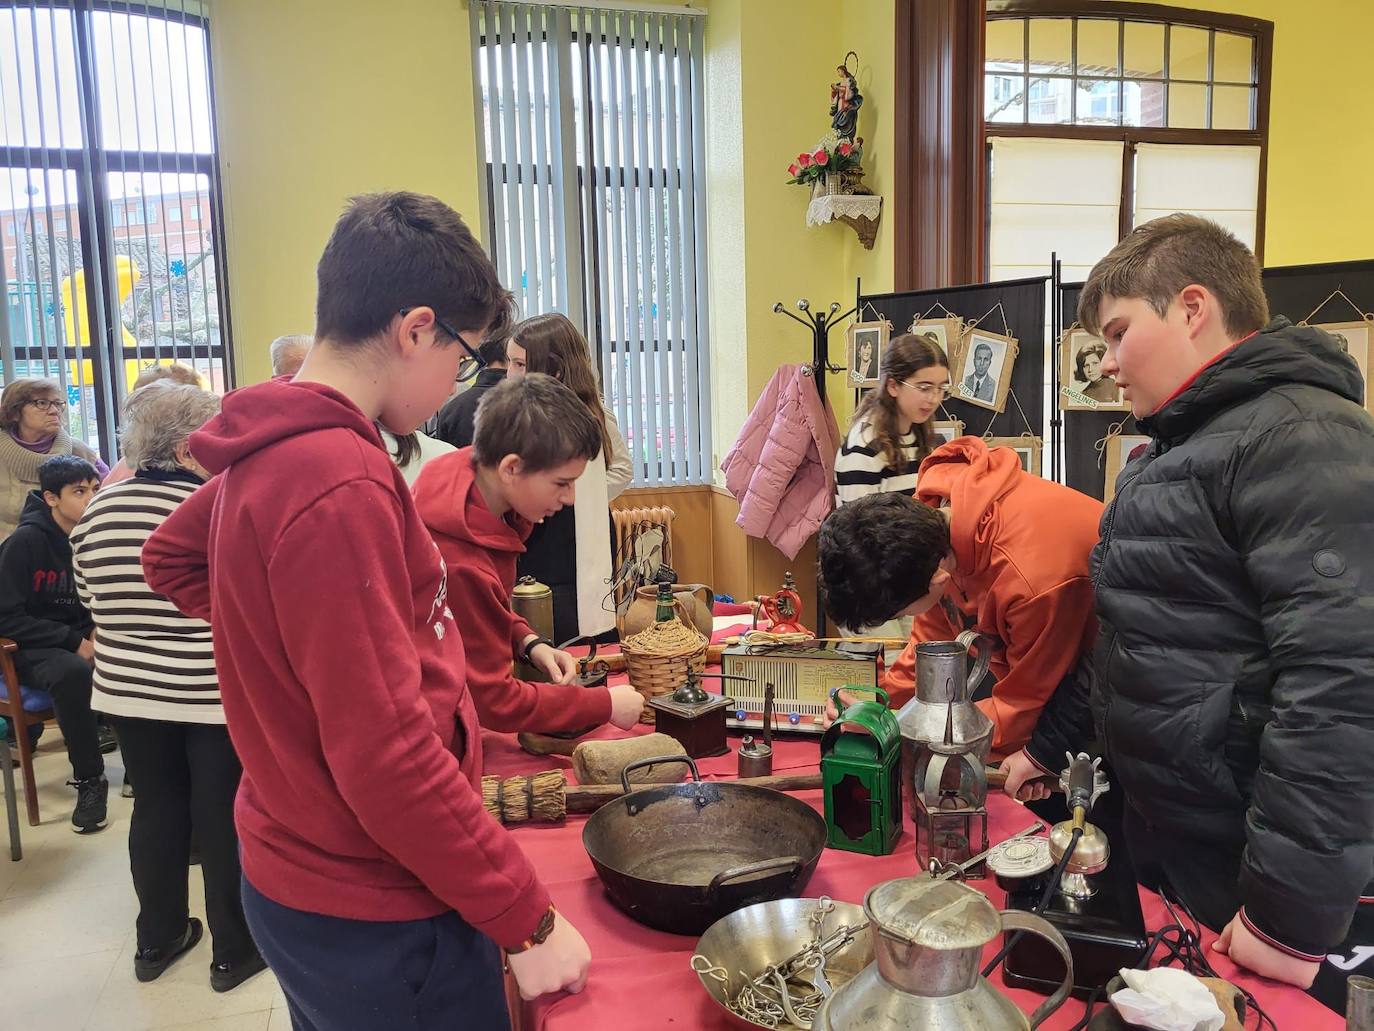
(861, 776)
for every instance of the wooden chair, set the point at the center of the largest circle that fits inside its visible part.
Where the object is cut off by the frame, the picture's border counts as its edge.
(11, 795)
(30, 708)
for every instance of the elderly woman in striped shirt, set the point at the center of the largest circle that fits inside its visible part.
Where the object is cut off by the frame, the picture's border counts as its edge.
(155, 679)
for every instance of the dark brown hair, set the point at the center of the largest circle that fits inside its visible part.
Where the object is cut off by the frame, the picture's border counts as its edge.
(905, 356)
(555, 347)
(1157, 260)
(20, 392)
(391, 251)
(536, 418)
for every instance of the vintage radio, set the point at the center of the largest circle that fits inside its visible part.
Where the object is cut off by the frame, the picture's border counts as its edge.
(802, 675)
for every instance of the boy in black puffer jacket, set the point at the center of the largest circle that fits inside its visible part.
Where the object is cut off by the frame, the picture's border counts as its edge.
(1235, 589)
(40, 611)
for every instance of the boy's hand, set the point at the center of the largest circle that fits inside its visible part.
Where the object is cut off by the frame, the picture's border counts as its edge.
(1248, 951)
(626, 706)
(1026, 782)
(86, 650)
(559, 964)
(831, 713)
(560, 666)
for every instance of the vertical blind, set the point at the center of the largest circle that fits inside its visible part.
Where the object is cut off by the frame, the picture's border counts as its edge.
(109, 243)
(593, 130)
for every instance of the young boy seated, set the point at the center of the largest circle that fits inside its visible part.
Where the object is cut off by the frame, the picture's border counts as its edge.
(40, 611)
(533, 438)
(983, 546)
(1235, 688)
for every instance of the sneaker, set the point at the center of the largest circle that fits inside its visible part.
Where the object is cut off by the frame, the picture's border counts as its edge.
(107, 739)
(126, 790)
(91, 795)
(225, 977)
(150, 963)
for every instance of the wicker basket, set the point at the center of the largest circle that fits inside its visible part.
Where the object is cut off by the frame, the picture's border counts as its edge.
(659, 657)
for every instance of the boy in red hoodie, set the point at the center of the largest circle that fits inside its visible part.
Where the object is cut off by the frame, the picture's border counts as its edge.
(984, 546)
(375, 884)
(533, 438)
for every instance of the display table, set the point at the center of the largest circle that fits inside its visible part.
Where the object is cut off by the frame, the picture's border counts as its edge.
(641, 979)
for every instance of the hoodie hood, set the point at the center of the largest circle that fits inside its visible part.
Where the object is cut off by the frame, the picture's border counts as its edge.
(450, 504)
(257, 417)
(971, 478)
(36, 513)
(1280, 355)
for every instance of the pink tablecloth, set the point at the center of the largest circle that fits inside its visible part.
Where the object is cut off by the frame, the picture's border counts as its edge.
(640, 977)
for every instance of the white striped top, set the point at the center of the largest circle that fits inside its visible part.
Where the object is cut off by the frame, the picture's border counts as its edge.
(861, 469)
(151, 662)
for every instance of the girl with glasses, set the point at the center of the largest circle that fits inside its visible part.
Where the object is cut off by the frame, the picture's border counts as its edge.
(32, 416)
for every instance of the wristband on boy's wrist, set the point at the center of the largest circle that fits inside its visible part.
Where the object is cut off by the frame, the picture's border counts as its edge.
(528, 650)
(540, 935)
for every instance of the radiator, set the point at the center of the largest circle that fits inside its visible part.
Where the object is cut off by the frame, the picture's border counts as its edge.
(629, 524)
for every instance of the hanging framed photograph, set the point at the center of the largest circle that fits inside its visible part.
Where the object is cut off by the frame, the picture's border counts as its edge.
(947, 430)
(1354, 339)
(1083, 386)
(947, 333)
(1117, 450)
(865, 343)
(982, 376)
(1028, 449)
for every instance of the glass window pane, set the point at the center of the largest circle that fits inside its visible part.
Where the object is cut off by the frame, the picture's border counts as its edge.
(1004, 98)
(1051, 45)
(1005, 44)
(1232, 106)
(1144, 50)
(1050, 101)
(1099, 102)
(39, 92)
(1142, 103)
(1234, 58)
(1187, 53)
(152, 83)
(1098, 53)
(1187, 106)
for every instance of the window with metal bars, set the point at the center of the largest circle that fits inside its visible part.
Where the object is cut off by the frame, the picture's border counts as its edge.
(106, 141)
(593, 131)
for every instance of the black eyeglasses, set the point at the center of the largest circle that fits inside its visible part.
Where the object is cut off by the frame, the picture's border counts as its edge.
(469, 366)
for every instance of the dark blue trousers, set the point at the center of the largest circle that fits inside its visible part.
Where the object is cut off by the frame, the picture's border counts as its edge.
(417, 975)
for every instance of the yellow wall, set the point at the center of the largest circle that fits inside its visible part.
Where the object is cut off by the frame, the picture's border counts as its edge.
(317, 101)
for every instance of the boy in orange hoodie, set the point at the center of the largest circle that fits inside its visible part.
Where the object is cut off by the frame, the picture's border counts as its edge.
(984, 546)
(532, 440)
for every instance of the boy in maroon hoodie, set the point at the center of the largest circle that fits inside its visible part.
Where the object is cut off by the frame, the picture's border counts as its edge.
(374, 882)
(533, 438)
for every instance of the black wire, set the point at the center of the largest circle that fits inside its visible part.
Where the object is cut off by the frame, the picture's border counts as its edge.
(1045, 897)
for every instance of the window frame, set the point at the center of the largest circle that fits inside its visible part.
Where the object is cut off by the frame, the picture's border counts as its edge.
(1257, 28)
(92, 164)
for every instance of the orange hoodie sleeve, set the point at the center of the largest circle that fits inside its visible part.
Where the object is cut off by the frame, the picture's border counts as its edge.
(1043, 637)
(504, 703)
(900, 679)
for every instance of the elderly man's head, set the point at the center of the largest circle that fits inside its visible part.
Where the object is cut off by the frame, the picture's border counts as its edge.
(288, 353)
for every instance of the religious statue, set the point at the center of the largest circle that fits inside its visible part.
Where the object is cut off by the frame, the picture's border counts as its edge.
(845, 100)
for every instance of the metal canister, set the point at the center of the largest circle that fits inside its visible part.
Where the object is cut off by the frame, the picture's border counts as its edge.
(1359, 1003)
(533, 602)
(755, 758)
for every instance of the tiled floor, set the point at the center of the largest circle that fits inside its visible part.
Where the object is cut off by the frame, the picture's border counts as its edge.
(67, 914)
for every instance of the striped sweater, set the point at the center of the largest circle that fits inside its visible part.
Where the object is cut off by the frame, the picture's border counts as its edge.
(151, 662)
(861, 469)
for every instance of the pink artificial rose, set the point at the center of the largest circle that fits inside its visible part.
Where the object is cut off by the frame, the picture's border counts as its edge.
(804, 159)
(821, 157)
(844, 149)
(793, 169)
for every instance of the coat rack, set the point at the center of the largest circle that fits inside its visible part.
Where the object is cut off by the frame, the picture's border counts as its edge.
(820, 323)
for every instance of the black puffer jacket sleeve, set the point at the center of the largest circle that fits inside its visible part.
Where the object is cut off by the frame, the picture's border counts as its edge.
(1299, 505)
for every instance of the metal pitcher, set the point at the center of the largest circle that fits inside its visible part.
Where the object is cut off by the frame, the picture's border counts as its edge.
(944, 691)
(533, 602)
(928, 937)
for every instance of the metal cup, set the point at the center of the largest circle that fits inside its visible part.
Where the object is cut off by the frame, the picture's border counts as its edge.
(1359, 1003)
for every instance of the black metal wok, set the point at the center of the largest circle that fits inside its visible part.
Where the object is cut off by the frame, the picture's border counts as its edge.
(680, 856)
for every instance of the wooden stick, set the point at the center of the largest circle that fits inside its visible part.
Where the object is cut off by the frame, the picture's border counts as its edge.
(587, 798)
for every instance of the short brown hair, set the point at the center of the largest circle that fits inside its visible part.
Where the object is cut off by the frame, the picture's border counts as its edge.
(537, 419)
(20, 392)
(176, 372)
(391, 251)
(1160, 258)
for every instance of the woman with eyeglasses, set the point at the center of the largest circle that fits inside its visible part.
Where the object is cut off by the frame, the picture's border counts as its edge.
(891, 432)
(32, 413)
